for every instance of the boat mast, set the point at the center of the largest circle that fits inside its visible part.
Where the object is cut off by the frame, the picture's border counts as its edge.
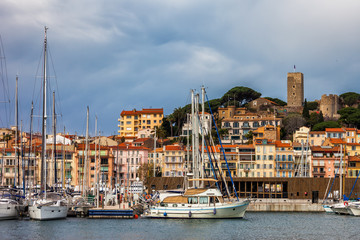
(96, 170)
(44, 116)
(30, 145)
(202, 133)
(192, 133)
(85, 178)
(54, 143)
(16, 170)
(63, 164)
(341, 172)
(154, 158)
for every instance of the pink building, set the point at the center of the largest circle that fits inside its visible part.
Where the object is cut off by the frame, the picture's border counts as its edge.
(128, 159)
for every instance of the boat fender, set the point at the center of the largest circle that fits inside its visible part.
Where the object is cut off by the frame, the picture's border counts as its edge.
(148, 196)
(190, 214)
(214, 211)
(346, 204)
(165, 214)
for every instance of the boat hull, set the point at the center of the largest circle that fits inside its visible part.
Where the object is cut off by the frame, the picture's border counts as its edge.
(225, 211)
(8, 211)
(47, 212)
(328, 209)
(355, 211)
(340, 210)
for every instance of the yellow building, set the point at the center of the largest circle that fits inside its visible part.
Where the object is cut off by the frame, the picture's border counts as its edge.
(265, 157)
(130, 122)
(173, 164)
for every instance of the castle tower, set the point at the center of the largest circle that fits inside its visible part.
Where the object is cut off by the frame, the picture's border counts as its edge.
(330, 105)
(295, 89)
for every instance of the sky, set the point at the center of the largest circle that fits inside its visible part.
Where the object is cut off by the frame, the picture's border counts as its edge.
(119, 55)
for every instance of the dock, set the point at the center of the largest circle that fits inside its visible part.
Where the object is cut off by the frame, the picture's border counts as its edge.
(111, 212)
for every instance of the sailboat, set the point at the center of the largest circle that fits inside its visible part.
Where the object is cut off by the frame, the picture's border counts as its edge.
(9, 202)
(199, 202)
(9, 205)
(50, 205)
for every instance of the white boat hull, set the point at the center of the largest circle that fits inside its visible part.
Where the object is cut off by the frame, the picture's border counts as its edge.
(8, 211)
(355, 211)
(47, 212)
(340, 210)
(230, 210)
(328, 209)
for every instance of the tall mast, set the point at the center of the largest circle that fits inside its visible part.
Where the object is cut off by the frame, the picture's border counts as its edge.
(22, 161)
(341, 172)
(54, 142)
(202, 132)
(17, 136)
(95, 167)
(85, 178)
(30, 145)
(154, 151)
(63, 164)
(192, 132)
(44, 116)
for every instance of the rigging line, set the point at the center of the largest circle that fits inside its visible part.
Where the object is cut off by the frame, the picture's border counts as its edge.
(6, 89)
(58, 103)
(222, 149)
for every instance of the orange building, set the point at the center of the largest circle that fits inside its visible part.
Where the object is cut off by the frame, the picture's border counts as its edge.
(130, 122)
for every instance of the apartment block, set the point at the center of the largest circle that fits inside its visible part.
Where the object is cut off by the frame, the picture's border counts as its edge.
(131, 122)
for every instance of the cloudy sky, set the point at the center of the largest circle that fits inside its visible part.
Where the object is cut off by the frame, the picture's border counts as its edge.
(115, 54)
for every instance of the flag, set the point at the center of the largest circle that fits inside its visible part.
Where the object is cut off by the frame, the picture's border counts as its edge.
(294, 68)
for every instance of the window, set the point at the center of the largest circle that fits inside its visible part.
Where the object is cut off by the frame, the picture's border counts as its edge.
(203, 200)
(128, 117)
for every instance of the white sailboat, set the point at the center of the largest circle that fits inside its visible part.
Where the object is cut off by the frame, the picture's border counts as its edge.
(198, 202)
(50, 205)
(9, 207)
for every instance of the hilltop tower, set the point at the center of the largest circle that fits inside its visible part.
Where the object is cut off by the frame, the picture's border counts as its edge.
(330, 105)
(295, 89)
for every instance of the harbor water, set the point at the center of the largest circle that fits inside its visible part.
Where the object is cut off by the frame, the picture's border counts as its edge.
(255, 225)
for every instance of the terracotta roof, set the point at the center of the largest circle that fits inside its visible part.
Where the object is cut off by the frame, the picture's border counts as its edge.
(141, 140)
(350, 129)
(173, 148)
(246, 146)
(337, 141)
(325, 149)
(353, 144)
(354, 158)
(143, 111)
(317, 132)
(334, 130)
(282, 144)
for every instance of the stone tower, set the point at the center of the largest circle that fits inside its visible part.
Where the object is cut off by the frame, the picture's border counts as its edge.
(295, 89)
(330, 105)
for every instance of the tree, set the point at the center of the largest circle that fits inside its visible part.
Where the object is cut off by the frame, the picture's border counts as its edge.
(293, 122)
(321, 117)
(350, 116)
(328, 124)
(312, 105)
(166, 126)
(350, 98)
(242, 95)
(305, 112)
(249, 137)
(314, 119)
